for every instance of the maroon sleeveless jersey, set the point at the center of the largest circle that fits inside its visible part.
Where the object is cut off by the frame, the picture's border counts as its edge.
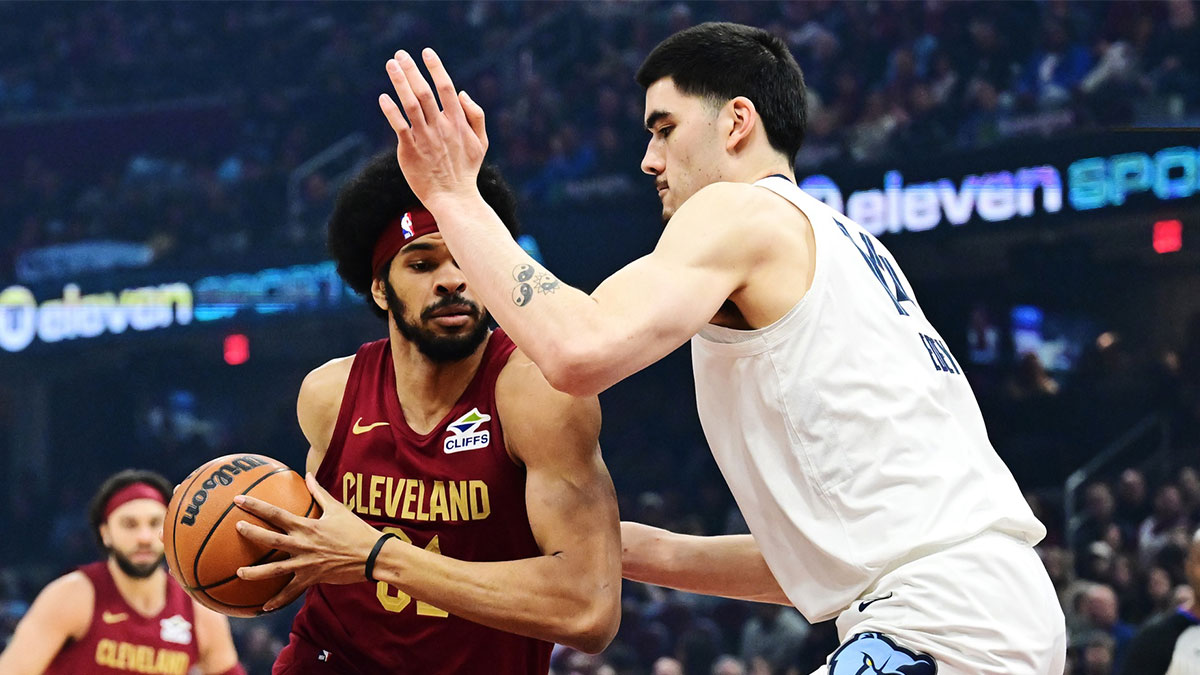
(122, 641)
(453, 491)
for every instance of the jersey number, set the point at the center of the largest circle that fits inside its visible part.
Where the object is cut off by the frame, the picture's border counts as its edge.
(397, 602)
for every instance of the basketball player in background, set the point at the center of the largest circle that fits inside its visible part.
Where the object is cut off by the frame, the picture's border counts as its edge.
(466, 505)
(124, 614)
(841, 422)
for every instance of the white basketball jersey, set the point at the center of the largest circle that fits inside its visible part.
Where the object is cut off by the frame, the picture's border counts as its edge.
(846, 429)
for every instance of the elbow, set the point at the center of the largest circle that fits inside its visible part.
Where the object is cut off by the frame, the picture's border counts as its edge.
(593, 629)
(574, 369)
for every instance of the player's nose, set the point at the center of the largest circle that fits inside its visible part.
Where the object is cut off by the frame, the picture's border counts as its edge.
(450, 280)
(652, 161)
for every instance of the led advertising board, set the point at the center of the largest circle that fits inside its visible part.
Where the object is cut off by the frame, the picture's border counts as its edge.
(1014, 190)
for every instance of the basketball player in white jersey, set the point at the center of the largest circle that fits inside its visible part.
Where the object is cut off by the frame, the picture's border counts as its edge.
(842, 423)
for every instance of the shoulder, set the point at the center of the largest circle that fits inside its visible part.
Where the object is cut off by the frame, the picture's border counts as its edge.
(530, 408)
(731, 217)
(74, 585)
(320, 399)
(69, 601)
(738, 202)
(327, 380)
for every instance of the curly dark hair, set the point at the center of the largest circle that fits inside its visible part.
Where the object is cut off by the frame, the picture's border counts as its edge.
(373, 198)
(115, 483)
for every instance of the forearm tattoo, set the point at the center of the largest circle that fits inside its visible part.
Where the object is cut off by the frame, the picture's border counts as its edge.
(531, 281)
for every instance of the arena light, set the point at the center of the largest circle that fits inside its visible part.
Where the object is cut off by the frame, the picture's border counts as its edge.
(237, 349)
(1168, 236)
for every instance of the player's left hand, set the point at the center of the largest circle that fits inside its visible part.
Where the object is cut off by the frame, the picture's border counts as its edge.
(332, 549)
(440, 149)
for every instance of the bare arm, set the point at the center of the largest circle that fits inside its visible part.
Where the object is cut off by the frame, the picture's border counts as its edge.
(215, 642)
(569, 594)
(318, 405)
(62, 611)
(729, 566)
(583, 343)
(586, 343)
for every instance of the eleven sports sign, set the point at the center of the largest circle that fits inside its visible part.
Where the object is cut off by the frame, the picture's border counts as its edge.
(75, 315)
(999, 196)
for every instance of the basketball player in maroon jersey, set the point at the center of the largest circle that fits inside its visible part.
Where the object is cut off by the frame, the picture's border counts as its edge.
(124, 614)
(469, 520)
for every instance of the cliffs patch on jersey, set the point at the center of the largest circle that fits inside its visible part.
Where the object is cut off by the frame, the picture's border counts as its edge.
(466, 433)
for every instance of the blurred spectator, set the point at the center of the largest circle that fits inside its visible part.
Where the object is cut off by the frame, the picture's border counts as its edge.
(728, 665)
(775, 635)
(667, 666)
(1096, 654)
(1052, 74)
(1097, 517)
(1133, 507)
(1100, 612)
(1163, 525)
(1173, 63)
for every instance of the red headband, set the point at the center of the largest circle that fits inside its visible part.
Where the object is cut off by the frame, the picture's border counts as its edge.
(130, 493)
(413, 224)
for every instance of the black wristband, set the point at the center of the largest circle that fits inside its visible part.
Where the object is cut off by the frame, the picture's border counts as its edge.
(375, 554)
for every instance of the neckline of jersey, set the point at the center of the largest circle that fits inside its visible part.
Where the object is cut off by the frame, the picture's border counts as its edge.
(395, 411)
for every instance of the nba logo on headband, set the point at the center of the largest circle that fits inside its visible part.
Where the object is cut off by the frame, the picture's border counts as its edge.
(412, 225)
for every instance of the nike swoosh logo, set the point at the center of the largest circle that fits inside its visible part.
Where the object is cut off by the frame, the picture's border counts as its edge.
(862, 606)
(359, 429)
(109, 617)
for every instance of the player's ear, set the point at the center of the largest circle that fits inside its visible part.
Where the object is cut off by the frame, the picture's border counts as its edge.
(104, 535)
(742, 120)
(378, 293)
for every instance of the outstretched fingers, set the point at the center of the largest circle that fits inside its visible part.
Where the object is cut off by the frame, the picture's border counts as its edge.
(281, 518)
(427, 105)
(264, 537)
(445, 86)
(406, 97)
(286, 596)
(474, 115)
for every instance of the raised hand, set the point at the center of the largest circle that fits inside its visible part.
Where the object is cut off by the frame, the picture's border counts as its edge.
(440, 149)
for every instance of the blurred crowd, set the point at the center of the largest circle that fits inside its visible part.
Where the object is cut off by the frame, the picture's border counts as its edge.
(1117, 562)
(208, 110)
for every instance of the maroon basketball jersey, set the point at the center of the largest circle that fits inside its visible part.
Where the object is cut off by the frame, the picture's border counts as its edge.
(122, 641)
(453, 491)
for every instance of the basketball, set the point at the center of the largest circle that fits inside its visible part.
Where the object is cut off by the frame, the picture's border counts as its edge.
(200, 538)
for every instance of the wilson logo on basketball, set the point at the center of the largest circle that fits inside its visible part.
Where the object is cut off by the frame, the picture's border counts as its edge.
(222, 476)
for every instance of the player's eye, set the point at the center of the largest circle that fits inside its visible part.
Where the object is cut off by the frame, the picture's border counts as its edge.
(663, 132)
(420, 266)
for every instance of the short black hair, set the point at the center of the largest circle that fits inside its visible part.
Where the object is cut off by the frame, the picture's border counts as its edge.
(374, 197)
(722, 61)
(114, 484)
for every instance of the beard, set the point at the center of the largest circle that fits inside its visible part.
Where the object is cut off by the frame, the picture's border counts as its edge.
(435, 347)
(136, 570)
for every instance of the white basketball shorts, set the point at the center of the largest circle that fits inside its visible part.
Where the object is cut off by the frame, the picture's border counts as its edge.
(982, 607)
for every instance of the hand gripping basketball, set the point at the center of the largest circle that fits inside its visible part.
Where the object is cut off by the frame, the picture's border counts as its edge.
(200, 539)
(331, 549)
(440, 149)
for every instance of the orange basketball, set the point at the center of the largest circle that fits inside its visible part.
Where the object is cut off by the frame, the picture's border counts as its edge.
(200, 538)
